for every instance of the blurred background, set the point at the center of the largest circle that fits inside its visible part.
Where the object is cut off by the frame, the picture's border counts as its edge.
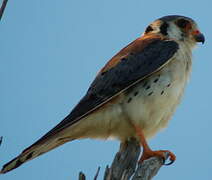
(51, 51)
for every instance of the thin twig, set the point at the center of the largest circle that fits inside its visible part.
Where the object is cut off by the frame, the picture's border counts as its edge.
(82, 176)
(1, 138)
(97, 173)
(3, 6)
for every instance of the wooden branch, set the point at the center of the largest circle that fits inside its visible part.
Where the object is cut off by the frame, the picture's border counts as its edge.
(125, 163)
(149, 168)
(3, 6)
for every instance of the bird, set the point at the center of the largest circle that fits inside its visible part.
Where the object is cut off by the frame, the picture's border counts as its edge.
(134, 95)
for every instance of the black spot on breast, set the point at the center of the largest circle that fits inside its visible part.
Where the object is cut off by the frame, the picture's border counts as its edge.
(163, 28)
(162, 92)
(136, 93)
(29, 155)
(123, 59)
(144, 84)
(148, 87)
(156, 80)
(129, 100)
(150, 93)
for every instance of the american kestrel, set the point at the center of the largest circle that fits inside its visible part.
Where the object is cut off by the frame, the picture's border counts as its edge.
(133, 95)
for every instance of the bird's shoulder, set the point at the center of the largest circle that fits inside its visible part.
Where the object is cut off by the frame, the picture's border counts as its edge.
(136, 61)
(136, 46)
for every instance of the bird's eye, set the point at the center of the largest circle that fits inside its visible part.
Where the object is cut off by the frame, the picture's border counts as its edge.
(182, 23)
(148, 29)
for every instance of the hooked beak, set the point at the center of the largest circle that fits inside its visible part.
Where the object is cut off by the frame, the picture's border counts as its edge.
(199, 37)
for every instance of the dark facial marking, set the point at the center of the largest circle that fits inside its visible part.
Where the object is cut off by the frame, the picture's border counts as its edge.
(148, 29)
(168, 84)
(182, 23)
(163, 28)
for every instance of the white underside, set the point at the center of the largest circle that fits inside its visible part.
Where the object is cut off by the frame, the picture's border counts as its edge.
(150, 111)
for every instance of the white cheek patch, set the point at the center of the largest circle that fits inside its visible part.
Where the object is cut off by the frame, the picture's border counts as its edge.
(174, 32)
(156, 29)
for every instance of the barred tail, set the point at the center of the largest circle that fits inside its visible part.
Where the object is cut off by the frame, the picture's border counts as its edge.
(32, 152)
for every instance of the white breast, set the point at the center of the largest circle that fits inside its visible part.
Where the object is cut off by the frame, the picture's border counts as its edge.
(149, 105)
(154, 100)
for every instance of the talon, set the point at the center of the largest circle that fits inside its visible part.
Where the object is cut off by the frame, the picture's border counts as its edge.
(164, 160)
(149, 153)
(172, 158)
(171, 162)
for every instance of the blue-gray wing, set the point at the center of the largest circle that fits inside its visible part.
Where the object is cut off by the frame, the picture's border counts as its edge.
(132, 66)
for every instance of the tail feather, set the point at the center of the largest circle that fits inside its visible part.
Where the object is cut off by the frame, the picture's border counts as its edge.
(32, 152)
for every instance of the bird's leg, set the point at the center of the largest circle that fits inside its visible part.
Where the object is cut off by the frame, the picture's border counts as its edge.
(148, 153)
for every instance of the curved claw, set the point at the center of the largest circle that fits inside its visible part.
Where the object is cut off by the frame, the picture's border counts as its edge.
(171, 162)
(162, 153)
(171, 157)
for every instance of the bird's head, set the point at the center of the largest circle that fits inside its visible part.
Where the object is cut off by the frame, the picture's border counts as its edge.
(180, 28)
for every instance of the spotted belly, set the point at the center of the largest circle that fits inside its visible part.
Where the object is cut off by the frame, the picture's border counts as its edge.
(148, 105)
(151, 103)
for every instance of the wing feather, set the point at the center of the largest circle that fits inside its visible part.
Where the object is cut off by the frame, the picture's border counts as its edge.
(132, 64)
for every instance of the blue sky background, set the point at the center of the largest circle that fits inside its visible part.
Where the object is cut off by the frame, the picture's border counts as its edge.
(51, 51)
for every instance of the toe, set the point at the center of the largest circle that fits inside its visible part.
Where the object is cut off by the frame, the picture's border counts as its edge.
(162, 154)
(171, 157)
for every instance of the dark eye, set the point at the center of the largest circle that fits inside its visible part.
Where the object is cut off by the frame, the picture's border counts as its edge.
(182, 23)
(148, 29)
